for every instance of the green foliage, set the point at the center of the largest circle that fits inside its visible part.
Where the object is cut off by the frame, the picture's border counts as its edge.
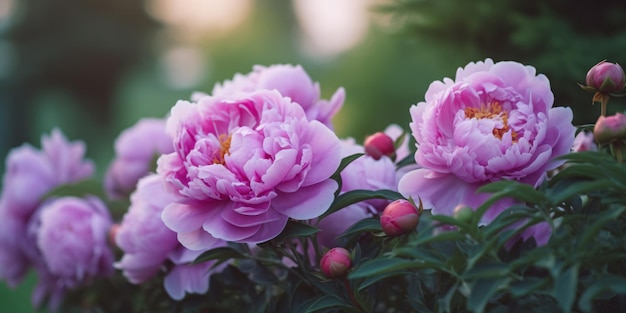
(560, 39)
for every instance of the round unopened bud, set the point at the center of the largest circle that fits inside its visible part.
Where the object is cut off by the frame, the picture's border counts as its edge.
(462, 213)
(379, 145)
(606, 77)
(610, 128)
(336, 262)
(399, 217)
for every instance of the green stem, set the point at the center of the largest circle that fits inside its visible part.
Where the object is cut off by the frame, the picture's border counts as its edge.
(617, 148)
(355, 303)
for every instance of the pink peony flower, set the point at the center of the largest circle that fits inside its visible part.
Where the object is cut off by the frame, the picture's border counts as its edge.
(584, 142)
(493, 122)
(243, 165)
(30, 174)
(291, 81)
(148, 244)
(72, 247)
(135, 150)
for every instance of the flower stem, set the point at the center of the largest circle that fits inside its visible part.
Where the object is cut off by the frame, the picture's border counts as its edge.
(617, 149)
(355, 303)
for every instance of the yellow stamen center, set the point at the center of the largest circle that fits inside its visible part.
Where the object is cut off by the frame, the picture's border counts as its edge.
(224, 149)
(492, 110)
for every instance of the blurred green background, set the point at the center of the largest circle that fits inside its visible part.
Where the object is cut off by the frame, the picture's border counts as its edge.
(93, 68)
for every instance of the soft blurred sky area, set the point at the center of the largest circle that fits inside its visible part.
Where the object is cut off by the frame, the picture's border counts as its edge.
(93, 68)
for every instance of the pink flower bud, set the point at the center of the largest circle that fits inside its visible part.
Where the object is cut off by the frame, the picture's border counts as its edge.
(336, 262)
(399, 217)
(606, 77)
(610, 128)
(378, 145)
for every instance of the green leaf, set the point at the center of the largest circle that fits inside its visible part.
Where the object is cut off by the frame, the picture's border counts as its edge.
(516, 190)
(526, 286)
(344, 163)
(482, 290)
(426, 255)
(592, 229)
(451, 235)
(382, 266)
(612, 283)
(327, 302)
(354, 196)
(295, 229)
(362, 226)
(487, 271)
(578, 188)
(566, 285)
(408, 160)
(374, 279)
(220, 253)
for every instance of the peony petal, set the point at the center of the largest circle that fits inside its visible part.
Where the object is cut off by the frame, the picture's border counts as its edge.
(326, 153)
(308, 202)
(181, 217)
(197, 239)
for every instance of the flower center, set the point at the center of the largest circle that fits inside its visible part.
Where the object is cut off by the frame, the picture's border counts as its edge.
(493, 110)
(224, 149)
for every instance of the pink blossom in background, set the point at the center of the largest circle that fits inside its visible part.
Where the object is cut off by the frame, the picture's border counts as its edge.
(584, 142)
(136, 149)
(30, 174)
(494, 121)
(291, 81)
(148, 244)
(71, 238)
(243, 165)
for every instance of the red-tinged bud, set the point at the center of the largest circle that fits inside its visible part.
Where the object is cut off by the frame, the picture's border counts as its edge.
(610, 128)
(399, 217)
(379, 145)
(606, 77)
(336, 262)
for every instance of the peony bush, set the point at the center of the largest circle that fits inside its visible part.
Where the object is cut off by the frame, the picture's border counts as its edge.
(245, 200)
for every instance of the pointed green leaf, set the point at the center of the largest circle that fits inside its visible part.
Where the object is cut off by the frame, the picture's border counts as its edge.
(220, 253)
(295, 229)
(566, 285)
(354, 196)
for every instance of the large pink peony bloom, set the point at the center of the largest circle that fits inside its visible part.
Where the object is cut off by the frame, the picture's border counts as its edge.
(291, 81)
(148, 244)
(30, 174)
(71, 239)
(493, 122)
(135, 150)
(243, 165)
